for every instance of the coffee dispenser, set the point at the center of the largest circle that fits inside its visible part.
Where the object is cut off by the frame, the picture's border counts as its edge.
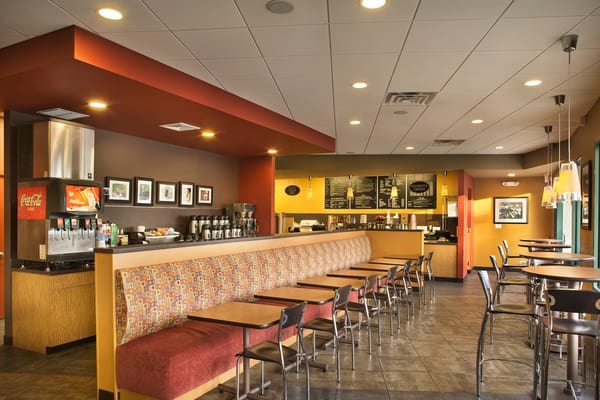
(56, 219)
(243, 216)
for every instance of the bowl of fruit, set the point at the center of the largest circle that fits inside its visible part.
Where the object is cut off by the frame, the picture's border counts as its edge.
(161, 235)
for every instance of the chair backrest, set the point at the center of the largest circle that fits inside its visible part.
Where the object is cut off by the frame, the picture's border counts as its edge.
(505, 243)
(487, 288)
(495, 266)
(428, 263)
(503, 256)
(340, 298)
(292, 316)
(573, 301)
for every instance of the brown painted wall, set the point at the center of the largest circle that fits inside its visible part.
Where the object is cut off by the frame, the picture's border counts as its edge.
(126, 156)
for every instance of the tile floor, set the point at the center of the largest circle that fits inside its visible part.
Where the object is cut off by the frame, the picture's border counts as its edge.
(431, 357)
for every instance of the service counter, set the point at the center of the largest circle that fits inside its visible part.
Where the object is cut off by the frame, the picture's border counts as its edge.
(445, 258)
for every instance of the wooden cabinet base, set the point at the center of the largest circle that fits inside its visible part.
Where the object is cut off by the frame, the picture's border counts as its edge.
(52, 310)
(444, 261)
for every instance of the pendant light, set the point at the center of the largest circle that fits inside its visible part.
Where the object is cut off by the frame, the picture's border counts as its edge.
(394, 192)
(309, 192)
(548, 201)
(569, 188)
(349, 190)
(559, 100)
(444, 191)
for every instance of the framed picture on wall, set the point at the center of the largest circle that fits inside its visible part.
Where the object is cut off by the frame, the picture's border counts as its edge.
(166, 193)
(143, 190)
(510, 210)
(586, 196)
(119, 190)
(186, 194)
(204, 195)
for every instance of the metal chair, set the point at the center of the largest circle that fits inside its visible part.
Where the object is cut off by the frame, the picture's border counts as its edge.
(506, 266)
(502, 282)
(430, 275)
(338, 326)
(368, 306)
(560, 300)
(416, 280)
(508, 255)
(387, 293)
(275, 352)
(492, 309)
(404, 291)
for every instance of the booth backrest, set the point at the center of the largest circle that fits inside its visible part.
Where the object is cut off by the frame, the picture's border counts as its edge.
(153, 297)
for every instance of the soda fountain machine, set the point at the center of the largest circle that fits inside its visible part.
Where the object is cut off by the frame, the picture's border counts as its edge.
(56, 221)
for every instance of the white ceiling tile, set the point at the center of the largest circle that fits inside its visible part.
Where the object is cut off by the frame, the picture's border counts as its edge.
(589, 33)
(219, 43)
(526, 33)
(424, 71)
(305, 12)
(348, 11)
(460, 9)
(446, 36)
(136, 15)
(300, 66)
(374, 69)
(551, 8)
(302, 40)
(194, 14)
(162, 46)
(237, 68)
(361, 38)
(260, 91)
(9, 36)
(33, 17)
(194, 68)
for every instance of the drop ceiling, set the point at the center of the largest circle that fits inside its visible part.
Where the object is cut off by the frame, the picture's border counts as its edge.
(474, 55)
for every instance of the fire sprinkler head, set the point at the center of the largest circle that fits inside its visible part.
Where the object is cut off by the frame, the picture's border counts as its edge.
(569, 42)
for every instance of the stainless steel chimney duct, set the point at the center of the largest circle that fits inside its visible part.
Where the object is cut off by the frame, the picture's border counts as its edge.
(63, 150)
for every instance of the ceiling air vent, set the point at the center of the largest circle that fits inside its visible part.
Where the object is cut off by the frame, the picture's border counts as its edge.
(62, 113)
(180, 127)
(409, 98)
(448, 142)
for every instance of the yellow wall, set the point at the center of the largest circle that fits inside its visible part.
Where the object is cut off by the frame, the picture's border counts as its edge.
(487, 236)
(301, 204)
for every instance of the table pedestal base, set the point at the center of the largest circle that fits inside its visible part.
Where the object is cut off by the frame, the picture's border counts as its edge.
(253, 393)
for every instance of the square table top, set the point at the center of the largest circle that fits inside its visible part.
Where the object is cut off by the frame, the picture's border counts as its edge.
(295, 293)
(356, 273)
(247, 315)
(332, 282)
(390, 261)
(374, 267)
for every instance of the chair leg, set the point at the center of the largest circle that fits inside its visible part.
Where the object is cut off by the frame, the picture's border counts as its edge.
(237, 378)
(480, 346)
(338, 365)
(262, 378)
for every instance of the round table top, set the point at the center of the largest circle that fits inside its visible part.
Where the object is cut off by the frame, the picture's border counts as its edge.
(564, 273)
(541, 240)
(546, 245)
(555, 256)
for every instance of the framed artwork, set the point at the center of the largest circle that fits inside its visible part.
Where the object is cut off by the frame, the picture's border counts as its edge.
(586, 196)
(143, 190)
(186, 194)
(510, 210)
(204, 195)
(166, 193)
(119, 190)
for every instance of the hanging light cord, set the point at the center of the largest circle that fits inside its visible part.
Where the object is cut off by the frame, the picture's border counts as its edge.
(569, 108)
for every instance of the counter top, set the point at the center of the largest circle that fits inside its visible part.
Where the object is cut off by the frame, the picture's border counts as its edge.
(440, 243)
(60, 271)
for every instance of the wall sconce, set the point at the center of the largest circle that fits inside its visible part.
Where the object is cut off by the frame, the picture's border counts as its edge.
(394, 192)
(309, 192)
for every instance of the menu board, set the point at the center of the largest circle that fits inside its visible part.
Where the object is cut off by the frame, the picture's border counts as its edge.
(421, 191)
(384, 192)
(364, 188)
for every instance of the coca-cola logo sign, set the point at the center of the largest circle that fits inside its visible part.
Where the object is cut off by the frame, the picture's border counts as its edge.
(31, 203)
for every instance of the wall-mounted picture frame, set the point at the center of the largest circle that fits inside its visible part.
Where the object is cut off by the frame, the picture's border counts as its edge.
(204, 195)
(186, 194)
(511, 210)
(166, 192)
(143, 190)
(586, 196)
(118, 190)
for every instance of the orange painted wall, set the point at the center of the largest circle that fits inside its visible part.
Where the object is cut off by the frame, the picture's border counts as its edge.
(256, 184)
(1, 217)
(487, 236)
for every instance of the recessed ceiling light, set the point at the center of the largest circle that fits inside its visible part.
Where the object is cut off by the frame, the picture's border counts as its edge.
(477, 121)
(533, 82)
(359, 85)
(279, 6)
(355, 122)
(410, 148)
(499, 147)
(208, 134)
(110, 13)
(180, 127)
(372, 4)
(100, 105)
(511, 174)
(272, 151)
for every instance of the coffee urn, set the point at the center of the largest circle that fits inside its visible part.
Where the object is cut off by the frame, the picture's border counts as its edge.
(244, 216)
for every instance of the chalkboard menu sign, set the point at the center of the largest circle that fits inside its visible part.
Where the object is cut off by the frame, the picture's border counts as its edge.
(364, 188)
(384, 192)
(421, 191)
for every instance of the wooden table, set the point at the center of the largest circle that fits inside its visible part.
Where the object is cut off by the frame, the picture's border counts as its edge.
(574, 276)
(248, 316)
(390, 261)
(357, 273)
(405, 257)
(554, 256)
(332, 282)
(545, 246)
(298, 294)
(375, 267)
(541, 240)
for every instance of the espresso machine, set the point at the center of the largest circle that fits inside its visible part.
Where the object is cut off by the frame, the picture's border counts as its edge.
(243, 215)
(56, 221)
